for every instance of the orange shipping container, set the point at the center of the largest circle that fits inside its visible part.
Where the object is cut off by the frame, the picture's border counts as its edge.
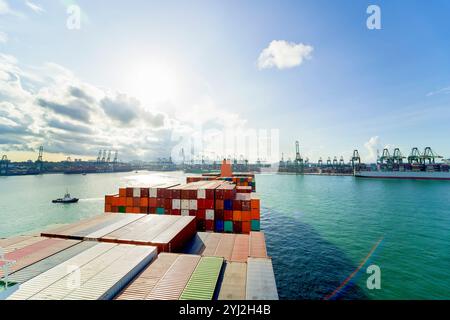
(237, 215)
(122, 192)
(144, 202)
(246, 216)
(128, 209)
(255, 214)
(246, 227)
(129, 202)
(122, 202)
(255, 204)
(136, 210)
(152, 202)
(108, 200)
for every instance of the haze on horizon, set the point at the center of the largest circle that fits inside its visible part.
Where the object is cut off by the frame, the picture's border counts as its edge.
(141, 76)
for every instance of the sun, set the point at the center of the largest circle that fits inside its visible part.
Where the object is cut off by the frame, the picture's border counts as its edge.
(153, 81)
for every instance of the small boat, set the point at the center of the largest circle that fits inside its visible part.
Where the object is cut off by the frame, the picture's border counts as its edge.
(67, 199)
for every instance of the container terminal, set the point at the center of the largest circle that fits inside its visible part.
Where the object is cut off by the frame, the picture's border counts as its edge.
(195, 241)
(426, 165)
(108, 161)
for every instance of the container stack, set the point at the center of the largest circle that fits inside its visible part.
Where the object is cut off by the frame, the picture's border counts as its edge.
(138, 200)
(218, 205)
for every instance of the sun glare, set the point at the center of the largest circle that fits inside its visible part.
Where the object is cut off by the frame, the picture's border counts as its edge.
(154, 81)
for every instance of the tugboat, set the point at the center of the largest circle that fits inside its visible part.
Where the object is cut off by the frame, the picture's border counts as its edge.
(67, 199)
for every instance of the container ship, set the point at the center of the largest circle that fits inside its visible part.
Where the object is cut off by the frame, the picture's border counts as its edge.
(419, 166)
(195, 241)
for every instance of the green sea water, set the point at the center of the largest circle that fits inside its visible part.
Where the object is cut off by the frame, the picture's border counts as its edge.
(318, 229)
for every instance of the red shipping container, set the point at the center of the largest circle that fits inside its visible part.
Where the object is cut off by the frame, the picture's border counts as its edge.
(115, 209)
(193, 213)
(152, 210)
(160, 202)
(209, 204)
(209, 194)
(192, 194)
(201, 204)
(152, 202)
(136, 209)
(136, 202)
(184, 194)
(245, 205)
(219, 204)
(246, 227)
(129, 192)
(237, 227)
(218, 215)
(144, 192)
(209, 225)
(144, 210)
(108, 208)
(167, 203)
(201, 214)
(176, 212)
(175, 194)
(220, 194)
(237, 205)
(227, 215)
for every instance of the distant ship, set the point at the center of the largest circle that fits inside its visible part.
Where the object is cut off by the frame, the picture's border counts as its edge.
(414, 175)
(408, 171)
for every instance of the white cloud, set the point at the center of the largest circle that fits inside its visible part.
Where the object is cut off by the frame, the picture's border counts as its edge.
(3, 37)
(372, 146)
(49, 105)
(5, 9)
(36, 8)
(282, 55)
(445, 90)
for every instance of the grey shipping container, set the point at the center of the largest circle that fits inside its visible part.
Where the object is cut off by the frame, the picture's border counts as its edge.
(261, 283)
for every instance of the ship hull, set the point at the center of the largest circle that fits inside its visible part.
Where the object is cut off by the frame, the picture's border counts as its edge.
(409, 175)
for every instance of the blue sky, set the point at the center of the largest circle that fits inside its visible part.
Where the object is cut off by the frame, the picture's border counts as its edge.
(152, 68)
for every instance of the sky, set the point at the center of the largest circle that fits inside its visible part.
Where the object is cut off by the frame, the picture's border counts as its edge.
(222, 78)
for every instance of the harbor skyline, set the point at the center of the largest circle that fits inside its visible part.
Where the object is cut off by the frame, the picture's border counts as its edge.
(159, 77)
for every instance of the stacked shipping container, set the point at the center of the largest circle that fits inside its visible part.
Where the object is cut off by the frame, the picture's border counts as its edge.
(218, 205)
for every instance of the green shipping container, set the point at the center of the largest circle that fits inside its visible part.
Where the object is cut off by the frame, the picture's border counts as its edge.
(122, 209)
(202, 284)
(228, 226)
(256, 225)
(159, 210)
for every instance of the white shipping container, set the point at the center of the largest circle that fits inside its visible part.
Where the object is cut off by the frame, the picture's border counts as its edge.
(209, 214)
(192, 204)
(153, 192)
(201, 193)
(176, 204)
(137, 192)
(184, 204)
(42, 281)
(261, 283)
(185, 213)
